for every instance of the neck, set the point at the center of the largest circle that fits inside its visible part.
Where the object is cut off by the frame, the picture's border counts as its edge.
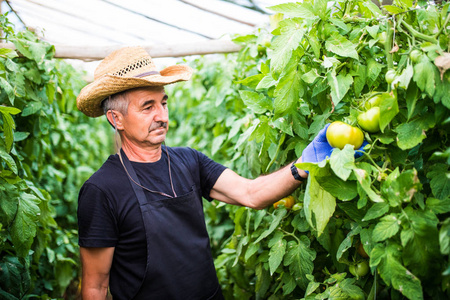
(139, 154)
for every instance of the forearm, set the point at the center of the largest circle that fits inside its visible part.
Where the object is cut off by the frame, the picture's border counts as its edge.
(88, 293)
(257, 193)
(96, 264)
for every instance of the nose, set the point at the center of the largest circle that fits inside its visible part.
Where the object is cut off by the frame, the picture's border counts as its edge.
(161, 114)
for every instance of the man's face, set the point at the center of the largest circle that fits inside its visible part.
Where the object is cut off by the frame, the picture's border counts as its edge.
(146, 122)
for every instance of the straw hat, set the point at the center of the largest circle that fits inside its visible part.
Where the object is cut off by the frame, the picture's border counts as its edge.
(125, 69)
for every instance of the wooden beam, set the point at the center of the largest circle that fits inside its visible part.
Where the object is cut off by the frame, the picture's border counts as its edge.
(90, 53)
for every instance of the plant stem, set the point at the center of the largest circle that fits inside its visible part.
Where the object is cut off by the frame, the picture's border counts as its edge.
(419, 35)
(443, 27)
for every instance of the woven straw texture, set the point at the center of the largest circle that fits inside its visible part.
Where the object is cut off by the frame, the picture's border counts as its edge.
(118, 72)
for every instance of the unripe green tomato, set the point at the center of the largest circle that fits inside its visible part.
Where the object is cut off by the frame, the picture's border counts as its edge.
(370, 120)
(390, 76)
(415, 56)
(340, 134)
(381, 37)
(360, 269)
(373, 101)
(297, 206)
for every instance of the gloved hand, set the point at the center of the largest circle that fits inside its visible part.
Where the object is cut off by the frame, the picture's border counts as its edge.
(319, 148)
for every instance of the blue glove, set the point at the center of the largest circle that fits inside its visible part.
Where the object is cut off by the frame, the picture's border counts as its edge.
(319, 148)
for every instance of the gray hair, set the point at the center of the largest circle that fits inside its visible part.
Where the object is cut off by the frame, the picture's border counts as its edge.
(117, 102)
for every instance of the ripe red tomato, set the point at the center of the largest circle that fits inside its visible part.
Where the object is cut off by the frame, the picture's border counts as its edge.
(340, 134)
(288, 202)
(370, 120)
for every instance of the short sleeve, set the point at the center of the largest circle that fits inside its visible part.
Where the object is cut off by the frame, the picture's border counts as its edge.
(209, 173)
(96, 222)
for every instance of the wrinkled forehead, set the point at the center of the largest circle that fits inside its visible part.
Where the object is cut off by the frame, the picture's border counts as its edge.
(139, 95)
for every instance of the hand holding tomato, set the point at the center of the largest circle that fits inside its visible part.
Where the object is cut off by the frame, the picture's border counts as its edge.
(320, 148)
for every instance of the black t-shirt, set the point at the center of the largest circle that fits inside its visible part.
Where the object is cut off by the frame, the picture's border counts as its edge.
(109, 213)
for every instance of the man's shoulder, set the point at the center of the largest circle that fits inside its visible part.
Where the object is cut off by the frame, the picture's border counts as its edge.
(108, 174)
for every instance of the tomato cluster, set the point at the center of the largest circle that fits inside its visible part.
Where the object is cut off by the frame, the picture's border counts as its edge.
(369, 120)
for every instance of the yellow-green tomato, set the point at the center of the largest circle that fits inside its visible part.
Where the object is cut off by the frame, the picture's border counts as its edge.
(287, 202)
(370, 120)
(340, 134)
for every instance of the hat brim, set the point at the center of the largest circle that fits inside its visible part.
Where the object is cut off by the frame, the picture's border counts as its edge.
(90, 97)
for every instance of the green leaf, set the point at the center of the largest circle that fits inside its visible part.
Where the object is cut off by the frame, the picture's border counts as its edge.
(339, 85)
(386, 228)
(410, 134)
(288, 90)
(444, 237)
(376, 210)
(24, 226)
(424, 76)
(343, 190)
(8, 159)
(373, 71)
(388, 110)
(8, 89)
(278, 216)
(347, 242)
(276, 255)
(342, 162)
(339, 45)
(395, 274)
(296, 10)
(8, 53)
(400, 187)
(300, 259)
(266, 83)
(393, 9)
(404, 78)
(421, 253)
(363, 176)
(258, 103)
(439, 206)
(319, 205)
(351, 289)
(292, 32)
(31, 108)
(439, 176)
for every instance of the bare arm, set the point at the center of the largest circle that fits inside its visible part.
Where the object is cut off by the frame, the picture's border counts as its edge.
(96, 264)
(257, 193)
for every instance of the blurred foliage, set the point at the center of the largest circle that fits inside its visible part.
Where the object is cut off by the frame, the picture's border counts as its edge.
(47, 150)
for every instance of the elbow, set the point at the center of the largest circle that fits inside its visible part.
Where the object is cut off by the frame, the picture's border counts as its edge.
(257, 204)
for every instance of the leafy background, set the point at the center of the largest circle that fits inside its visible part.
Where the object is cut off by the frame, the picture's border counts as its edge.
(256, 111)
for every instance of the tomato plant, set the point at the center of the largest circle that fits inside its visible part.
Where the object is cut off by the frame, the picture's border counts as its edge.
(323, 64)
(340, 134)
(47, 150)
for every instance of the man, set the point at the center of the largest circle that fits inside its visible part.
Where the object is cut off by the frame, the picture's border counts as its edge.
(141, 225)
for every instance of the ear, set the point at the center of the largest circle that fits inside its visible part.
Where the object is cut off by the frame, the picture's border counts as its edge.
(113, 115)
